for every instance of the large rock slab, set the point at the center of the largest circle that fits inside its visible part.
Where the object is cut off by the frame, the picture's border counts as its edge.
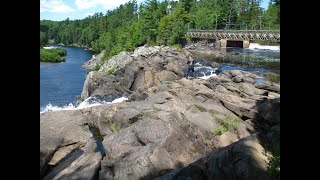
(244, 159)
(60, 129)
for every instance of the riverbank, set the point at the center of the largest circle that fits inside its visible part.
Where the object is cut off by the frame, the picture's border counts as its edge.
(167, 122)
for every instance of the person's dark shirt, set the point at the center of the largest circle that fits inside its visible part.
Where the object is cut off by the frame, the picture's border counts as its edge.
(190, 64)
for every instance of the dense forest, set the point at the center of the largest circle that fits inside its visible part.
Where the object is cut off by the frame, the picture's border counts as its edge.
(157, 23)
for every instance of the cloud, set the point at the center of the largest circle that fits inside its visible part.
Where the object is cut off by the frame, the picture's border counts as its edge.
(54, 6)
(106, 4)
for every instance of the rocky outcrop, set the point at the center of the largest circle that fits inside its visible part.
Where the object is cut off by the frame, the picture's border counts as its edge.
(103, 85)
(144, 69)
(93, 62)
(206, 52)
(192, 128)
(116, 62)
(67, 147)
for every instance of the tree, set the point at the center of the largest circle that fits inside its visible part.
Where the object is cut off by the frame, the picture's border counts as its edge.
(150, 20)
(272, 15)
(129, 26)
(43, 39)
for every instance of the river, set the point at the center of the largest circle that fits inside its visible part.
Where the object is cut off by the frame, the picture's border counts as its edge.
(61, 83)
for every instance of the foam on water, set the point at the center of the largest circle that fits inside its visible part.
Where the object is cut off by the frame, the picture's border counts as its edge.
(49, 47)
(204, 71)
(258, 46)
(89, 102)
(207, 77)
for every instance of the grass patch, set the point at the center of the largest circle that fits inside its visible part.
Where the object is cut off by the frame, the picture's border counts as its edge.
(219, 131)
(200, 108)
(111, 68)
(227, 124)
(148, 113)
(97, 66)
(177, 46)
(105, 56)
(115, 127)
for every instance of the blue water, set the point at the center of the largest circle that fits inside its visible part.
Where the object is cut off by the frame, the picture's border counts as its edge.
(61, 83)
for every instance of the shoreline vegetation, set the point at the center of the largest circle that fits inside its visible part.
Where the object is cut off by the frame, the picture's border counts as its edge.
(132, 25)
(52, 55)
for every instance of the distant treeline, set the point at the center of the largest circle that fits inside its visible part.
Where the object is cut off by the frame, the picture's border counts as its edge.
(158, 23)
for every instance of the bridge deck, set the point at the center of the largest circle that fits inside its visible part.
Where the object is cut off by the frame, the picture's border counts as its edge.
(235, 34)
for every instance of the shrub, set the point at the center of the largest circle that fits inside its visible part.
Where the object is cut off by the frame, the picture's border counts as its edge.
(52, 55)
(97, 66)
(111, 68)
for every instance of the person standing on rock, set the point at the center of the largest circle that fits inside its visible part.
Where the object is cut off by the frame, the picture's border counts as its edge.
(190, 67)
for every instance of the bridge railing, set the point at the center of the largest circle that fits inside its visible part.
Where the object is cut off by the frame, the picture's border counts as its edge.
(221, 30)
(235, 34)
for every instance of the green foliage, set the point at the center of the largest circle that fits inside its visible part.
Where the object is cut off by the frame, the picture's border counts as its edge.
(129, 26)
(219, 131)
(146, 113)
(274, 163)
(200, 108)
(111, 68)
(272, 16)
(177, 46)
(114, 127)
(97, 66)
(43, 39)
(51, 41)
(52, 55)
(227, 124)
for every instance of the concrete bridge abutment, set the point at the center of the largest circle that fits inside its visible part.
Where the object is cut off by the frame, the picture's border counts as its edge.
(224, 43)
(245, 44)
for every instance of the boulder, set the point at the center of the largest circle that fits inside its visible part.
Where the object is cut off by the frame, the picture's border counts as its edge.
(116, 62)
(94, 61)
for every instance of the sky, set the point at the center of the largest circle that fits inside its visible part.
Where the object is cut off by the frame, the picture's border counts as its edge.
(58, 10)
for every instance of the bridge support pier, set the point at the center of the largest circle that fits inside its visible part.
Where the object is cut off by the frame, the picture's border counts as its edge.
(245, 44)
(223, 43)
